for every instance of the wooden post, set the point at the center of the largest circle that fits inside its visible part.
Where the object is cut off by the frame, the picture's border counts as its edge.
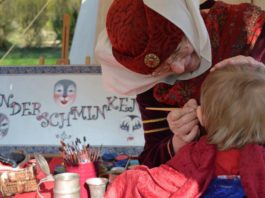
(87, 60)
(65, 42)
(41, 60)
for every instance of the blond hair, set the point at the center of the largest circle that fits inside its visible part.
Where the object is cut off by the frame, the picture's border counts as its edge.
(233, 106)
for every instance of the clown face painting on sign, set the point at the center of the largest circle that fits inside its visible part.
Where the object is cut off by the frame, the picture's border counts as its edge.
(64, 92)
(4, 125)
(130, 124)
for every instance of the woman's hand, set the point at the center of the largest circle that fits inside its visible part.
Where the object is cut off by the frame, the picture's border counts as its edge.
(183, 122)
(238, 60)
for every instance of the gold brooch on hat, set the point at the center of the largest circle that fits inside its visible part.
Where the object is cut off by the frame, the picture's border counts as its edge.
(151, 60)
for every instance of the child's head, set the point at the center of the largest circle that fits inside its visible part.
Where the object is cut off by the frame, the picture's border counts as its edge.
(233, 106)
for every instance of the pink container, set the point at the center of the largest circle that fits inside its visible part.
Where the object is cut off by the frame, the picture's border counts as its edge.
(85, 172)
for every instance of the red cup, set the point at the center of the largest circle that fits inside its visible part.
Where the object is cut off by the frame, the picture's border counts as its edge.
(85, 172)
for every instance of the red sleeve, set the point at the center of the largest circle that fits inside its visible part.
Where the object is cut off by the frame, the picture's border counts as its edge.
(157, 144)
(258, 51)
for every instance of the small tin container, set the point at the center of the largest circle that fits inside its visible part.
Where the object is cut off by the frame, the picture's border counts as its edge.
(114, 172)
(66, 185)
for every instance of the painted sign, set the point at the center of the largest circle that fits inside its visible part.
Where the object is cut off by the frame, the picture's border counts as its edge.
(45, 104)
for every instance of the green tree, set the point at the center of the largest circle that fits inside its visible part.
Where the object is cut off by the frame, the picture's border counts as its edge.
(1, 1)
(26, 11)
(6, 22)
(57, 9)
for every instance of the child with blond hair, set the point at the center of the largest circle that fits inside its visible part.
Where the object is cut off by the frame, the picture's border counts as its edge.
(228, 161)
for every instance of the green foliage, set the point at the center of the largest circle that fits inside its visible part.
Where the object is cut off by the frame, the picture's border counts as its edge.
(6, 25)
(17, 15)
(26, 12)
(57, 9)
(30, 56)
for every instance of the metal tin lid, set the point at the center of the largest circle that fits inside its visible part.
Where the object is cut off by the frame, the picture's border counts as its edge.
(42, 164)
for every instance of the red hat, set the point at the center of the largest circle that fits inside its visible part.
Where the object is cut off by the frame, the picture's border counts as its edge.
(141, 38)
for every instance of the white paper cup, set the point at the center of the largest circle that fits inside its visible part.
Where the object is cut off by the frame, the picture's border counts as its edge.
(97, 186)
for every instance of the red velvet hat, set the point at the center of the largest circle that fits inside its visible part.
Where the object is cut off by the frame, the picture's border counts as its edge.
(141, 38)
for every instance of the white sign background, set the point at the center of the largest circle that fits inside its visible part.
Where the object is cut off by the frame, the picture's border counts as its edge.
(26, 129)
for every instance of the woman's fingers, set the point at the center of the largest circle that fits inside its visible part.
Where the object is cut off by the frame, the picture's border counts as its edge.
(177, 121)
(230, 61)
(184, 129)
(238, 60)
(181, 121)
(191, 135)
(192, 103)
(179, 141)
(177, 114)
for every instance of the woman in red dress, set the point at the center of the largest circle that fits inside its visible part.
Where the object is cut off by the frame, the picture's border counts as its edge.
(163, 50)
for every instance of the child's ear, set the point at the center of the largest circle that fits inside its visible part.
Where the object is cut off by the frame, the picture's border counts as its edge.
(199, 114)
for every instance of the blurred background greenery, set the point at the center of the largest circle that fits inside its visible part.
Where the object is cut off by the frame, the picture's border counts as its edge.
(44, 36)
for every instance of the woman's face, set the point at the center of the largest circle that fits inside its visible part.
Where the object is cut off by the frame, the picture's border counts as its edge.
(184, 59)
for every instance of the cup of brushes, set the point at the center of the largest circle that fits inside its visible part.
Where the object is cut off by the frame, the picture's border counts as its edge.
(79, 158)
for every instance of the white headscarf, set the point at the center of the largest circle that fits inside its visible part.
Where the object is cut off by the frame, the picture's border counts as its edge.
(183, 13)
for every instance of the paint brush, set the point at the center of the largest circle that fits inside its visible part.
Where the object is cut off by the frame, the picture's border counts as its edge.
(84, 142)
(62, 143)
(127, 163)
(160, 108)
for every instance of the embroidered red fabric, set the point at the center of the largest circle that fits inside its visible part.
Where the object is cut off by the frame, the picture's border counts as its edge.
(233, 30)
(136, 31)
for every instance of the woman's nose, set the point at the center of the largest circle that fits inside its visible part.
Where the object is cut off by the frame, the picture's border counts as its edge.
(178, 67)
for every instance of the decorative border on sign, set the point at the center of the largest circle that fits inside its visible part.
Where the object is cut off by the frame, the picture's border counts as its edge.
(51, 69)
(53, 149)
